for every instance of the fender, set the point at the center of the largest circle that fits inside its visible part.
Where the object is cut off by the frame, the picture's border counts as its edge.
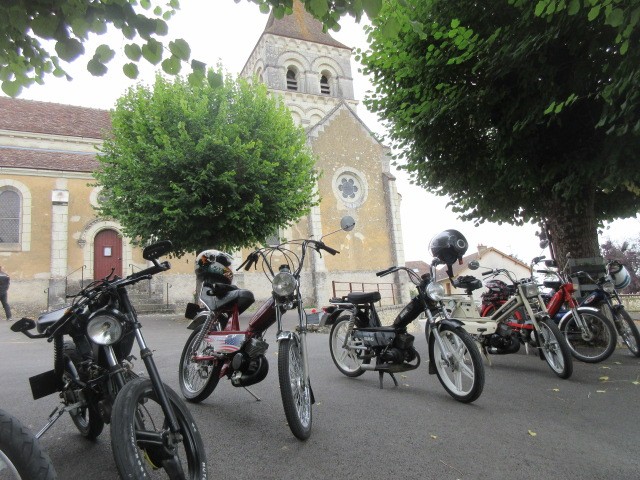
(566, 316)
(287, 335)
(452, 322)
(198, 320)
(329, 318)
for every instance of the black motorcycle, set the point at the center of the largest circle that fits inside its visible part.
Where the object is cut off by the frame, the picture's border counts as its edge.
(152, 431)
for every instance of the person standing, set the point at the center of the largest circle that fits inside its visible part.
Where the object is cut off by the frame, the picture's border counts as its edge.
(4, 289)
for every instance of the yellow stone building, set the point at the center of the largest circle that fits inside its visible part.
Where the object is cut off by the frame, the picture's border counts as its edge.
(51, 239)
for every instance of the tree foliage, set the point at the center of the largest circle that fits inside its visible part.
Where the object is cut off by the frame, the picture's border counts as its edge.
(214, 164)
(38, 37)
(628, 254)
(513, 114)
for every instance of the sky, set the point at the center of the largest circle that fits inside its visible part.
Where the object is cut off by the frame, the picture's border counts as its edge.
(226, 32)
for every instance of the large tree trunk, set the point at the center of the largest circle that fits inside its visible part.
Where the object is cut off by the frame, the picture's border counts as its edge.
(573, 229)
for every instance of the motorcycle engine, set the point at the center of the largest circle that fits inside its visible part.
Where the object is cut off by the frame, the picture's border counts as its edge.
(401, 349)
(503, 341)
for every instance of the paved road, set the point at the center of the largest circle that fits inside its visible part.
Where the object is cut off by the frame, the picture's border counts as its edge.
(528, 424)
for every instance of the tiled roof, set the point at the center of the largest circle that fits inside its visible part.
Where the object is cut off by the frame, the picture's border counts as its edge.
(53, 118)
(302, 25)
(47, 160)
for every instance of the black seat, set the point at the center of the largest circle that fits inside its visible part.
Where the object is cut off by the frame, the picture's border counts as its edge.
(361, 298)
(240, 297)
(467, 282)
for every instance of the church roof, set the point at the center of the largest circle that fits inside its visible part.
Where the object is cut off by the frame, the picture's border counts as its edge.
(53, 118)
(46, 159)
(301, 25)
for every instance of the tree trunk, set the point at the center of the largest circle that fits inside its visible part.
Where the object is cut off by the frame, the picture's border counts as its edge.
(573, 229)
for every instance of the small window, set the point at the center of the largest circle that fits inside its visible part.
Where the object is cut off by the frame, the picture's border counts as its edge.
(273, 239)
(9, 217)
(292, 80)
(324, 85)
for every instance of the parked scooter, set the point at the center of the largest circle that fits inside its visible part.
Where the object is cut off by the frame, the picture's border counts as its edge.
(359, 342)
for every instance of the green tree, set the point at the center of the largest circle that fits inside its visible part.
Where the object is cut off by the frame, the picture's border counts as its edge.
(510, 113)
(38, 37)
(219, 163)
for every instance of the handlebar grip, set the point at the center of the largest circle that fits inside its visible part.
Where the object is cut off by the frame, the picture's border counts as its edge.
(328, 249)
(161, 267)
(385, 272)
(484, 274)
(544, 271)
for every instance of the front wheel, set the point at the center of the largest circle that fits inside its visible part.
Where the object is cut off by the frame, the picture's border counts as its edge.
(21, 457)
(554, 348)
(628, 331)
(143, 445)
(591, 338)
(294, 387)
(458, 363)
(198, 379)
(344, 355)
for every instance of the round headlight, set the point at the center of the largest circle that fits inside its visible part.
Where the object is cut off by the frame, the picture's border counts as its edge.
(284, 284)
(435, 291)
(608, 287)
(104, 329)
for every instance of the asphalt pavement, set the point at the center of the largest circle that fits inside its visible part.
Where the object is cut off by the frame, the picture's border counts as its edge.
(528, 423)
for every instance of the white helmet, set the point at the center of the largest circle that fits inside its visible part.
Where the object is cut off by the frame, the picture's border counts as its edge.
(619, 275)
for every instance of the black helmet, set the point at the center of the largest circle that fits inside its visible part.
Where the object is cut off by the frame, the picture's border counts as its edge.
(449, 246)
(213, 266)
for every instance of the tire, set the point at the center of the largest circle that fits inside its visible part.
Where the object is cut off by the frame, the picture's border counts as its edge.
(462, 376)
(628, 331)
(197, 379)
(554, 348)
(294, 388)
(86, 419)
(21, 456)
(137, 410)
(599, 346)
(345, 359)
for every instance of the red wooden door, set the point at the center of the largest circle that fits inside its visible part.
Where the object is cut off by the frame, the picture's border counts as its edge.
(107, 254)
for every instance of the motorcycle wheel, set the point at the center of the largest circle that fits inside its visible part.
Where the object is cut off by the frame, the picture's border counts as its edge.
(21, 456)
(86, 419)
(628, 331)
(197, 379)
(294, 387)
(459, 367)
(139, 428)
(601, 343)
(554, 348)
(345, 358)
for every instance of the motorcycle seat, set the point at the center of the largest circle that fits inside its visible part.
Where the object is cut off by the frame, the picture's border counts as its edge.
(467, 282)
(361, 298)
(240, 297)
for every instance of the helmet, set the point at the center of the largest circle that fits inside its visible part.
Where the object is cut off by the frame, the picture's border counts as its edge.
(213, 266)
(449, 246)
(619, 275)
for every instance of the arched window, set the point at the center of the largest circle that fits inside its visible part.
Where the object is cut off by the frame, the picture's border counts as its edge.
(324, 85)
(292, 79)
(10, 209)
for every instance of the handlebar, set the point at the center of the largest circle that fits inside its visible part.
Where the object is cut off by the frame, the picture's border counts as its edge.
(386, 272)
(484, 274)
(321, 245)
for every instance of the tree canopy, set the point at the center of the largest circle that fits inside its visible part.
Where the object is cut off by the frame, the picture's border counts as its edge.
(216, 164)
(37, 38)
(517, 112)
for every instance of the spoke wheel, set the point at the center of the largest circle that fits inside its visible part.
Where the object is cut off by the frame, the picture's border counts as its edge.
(294, 387)
(554, 348)
(628, 331)
(343, 355)
(143, 446)
(459, 364)
(198, 379)
(593, 344)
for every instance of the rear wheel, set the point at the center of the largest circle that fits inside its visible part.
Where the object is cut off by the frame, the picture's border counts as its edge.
(198, 378)
(591, 338)
(294, 387)
(628, 331)
(344, 355)
(458, 363)
(554, 348)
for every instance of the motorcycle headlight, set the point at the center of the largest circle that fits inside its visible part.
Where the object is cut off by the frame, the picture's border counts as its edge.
(435, 291)
(608, 287)
(530, 290)
(104, 329)
(284, 284)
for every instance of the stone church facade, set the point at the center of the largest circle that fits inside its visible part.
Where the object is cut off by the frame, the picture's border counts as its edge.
(51, 238)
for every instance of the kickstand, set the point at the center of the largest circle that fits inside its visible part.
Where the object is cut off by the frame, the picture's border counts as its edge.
(393, 377)
(253, 394)
(486, 356)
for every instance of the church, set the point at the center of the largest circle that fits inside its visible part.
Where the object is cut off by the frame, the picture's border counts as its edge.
(52, 241)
